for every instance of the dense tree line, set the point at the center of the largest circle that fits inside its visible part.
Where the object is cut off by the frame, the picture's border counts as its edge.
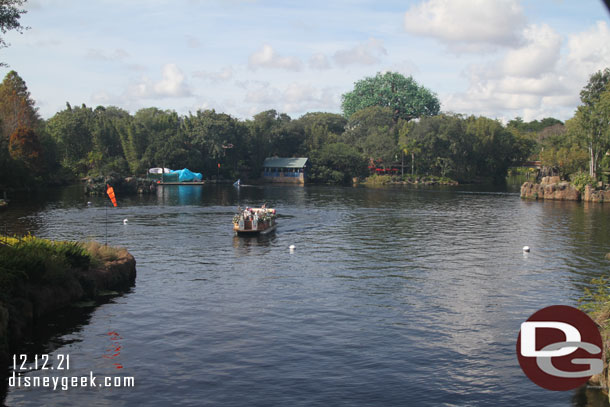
(81, 140)
(582, 145)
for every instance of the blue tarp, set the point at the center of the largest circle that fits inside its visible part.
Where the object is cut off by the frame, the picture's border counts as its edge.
(185, 175)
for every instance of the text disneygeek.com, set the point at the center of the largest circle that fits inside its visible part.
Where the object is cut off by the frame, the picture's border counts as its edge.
(68, 382)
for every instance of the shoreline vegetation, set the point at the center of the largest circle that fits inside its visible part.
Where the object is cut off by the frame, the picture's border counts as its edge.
(389, 124)
(401, 127)
(596, 303)
(40, 276)
(428, 180)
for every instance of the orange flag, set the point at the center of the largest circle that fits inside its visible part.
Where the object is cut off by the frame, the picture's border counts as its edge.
(110, 192)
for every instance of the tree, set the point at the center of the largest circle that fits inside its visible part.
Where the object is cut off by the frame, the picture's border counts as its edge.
(265, 129)
(593, 117)
(319, 129)
(10, 13)
(407, 145)
(71, 129)
(337, 163)
(24, 146)
(16, 105)
(359, 124)
(406, 99)
(218, 137)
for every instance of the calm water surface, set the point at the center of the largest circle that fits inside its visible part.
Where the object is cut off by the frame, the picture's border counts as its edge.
(392, 297)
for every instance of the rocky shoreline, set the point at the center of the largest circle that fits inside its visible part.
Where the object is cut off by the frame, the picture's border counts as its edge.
(129, 185)
(555, 189)
(18, 317)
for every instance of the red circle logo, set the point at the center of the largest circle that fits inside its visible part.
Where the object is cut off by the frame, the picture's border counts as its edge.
(559, 348)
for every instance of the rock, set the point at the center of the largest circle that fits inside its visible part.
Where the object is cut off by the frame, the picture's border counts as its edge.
(561, 191)
(592, 195)
(530, 190)
(550, 180)
(607, 256)
(587, 194)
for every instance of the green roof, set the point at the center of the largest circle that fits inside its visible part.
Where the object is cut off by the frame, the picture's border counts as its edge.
(281, 162)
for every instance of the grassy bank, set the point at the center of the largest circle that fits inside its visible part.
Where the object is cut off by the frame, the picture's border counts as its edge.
(408, 179)
(39, 276)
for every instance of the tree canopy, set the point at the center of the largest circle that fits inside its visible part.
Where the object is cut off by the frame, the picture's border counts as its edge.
(593, 118)
(10, 13)
(403, 95)
(81, 140)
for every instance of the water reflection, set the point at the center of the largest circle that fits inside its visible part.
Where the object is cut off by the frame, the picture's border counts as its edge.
(180, 194)
(392, 296)
(244, 244)
(61, 330)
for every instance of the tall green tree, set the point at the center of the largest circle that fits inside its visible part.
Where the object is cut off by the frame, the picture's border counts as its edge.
(372, 131)
(219, 138)
(320, 128)
(337, 163)
(593, 118)
(72, 131)
(404, 96)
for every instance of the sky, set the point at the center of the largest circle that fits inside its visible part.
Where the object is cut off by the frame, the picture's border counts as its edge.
(496, 58)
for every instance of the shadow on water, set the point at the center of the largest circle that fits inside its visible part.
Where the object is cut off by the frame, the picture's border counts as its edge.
(53, 332)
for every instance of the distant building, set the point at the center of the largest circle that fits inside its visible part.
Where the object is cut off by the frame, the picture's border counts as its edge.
(286, 170)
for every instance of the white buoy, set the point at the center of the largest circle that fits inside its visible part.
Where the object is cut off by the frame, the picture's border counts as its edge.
(526, 249)
(292, 247)
(125, 221)
(88, 203)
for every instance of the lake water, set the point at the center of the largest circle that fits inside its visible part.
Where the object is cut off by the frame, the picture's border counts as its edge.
(393, 296)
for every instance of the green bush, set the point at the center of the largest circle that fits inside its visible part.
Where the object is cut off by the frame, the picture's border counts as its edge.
(597, 297)
(581, 179)
(378, 179)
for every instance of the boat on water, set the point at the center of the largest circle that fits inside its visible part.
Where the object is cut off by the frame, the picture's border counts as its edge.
(254, 221)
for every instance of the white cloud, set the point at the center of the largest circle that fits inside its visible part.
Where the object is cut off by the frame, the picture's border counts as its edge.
(319, 61)
(267, 58)
(224, 74)
(468, 25)
(172, 84)
(365, 53)
(589, 51)
(535, 80)
(263, 95)
(538, 56)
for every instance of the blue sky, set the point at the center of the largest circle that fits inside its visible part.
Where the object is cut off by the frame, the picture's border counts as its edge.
(500, 58)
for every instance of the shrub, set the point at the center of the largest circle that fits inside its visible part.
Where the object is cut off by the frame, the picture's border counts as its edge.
(101, 253)
(581, 179)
